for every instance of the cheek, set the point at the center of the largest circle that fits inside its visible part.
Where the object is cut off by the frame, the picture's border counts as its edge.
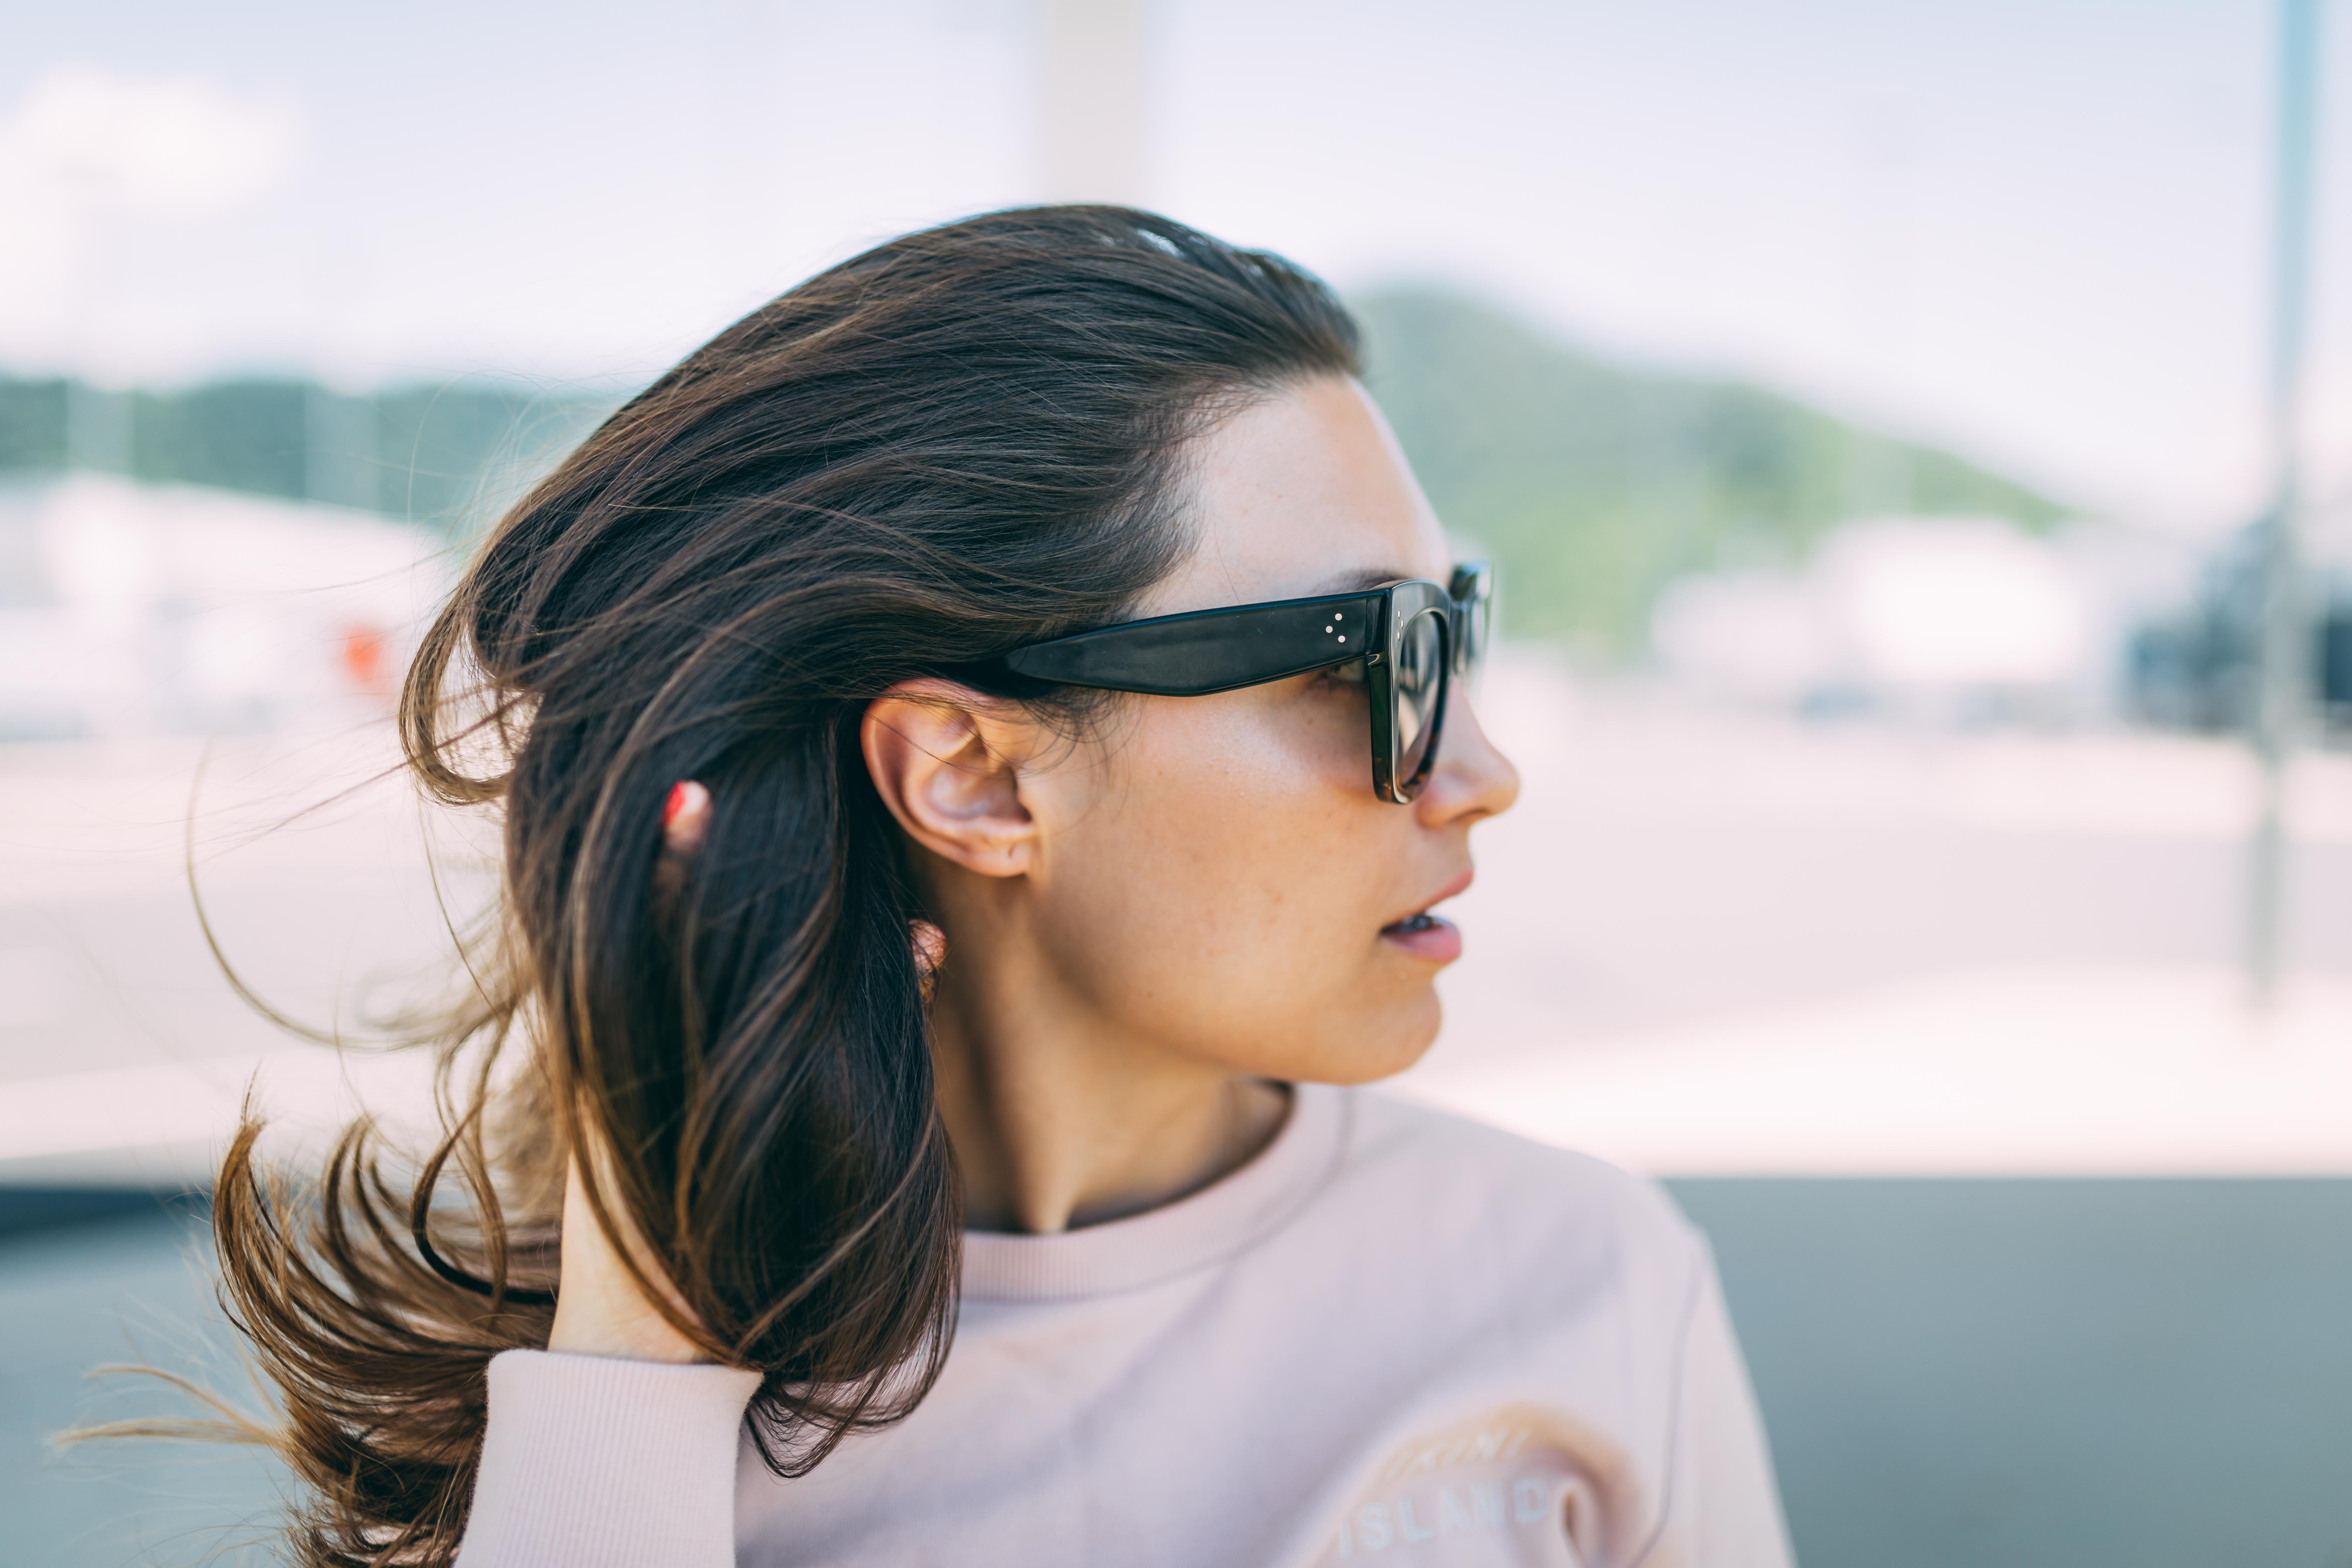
(1223, 892)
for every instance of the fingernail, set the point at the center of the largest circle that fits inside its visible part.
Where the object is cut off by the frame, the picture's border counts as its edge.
(678, 796)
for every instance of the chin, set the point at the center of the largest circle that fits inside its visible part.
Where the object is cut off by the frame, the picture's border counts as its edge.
(1390, 1041)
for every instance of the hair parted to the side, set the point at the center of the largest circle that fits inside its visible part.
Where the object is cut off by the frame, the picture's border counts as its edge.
(965, 440)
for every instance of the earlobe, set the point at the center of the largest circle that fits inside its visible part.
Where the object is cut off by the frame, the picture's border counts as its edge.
(946, 765)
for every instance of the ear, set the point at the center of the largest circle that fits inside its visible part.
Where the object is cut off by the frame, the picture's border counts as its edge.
(947, 760)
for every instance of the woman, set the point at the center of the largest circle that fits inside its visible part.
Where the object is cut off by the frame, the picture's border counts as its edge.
(938, 977)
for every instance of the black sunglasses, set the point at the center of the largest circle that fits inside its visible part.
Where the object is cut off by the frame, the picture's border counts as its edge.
(1408, 639)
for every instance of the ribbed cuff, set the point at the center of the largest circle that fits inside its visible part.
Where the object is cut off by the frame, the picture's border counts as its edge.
(596, 1462)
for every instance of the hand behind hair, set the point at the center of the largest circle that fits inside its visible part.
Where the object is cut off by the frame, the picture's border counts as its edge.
(600, 1308)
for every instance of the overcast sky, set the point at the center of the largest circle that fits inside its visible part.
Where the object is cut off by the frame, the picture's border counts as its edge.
(2034, 230)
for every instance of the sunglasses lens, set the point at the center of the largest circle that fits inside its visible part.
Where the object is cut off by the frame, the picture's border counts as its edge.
(1419, 681)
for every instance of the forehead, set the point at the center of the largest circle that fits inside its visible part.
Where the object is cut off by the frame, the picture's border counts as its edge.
(1302, 492)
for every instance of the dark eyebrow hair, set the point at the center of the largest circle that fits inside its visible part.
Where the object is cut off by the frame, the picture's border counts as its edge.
(1354, 581)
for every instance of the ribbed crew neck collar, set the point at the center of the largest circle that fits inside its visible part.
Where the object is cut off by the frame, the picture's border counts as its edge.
(1191, 1233)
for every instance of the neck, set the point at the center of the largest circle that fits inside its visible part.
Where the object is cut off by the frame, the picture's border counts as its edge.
(1060, 1120)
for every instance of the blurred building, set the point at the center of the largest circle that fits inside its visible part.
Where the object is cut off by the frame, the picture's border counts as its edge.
(130, 609)
(1944, 619)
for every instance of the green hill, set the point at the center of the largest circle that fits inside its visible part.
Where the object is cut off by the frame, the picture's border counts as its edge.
(1593, 484)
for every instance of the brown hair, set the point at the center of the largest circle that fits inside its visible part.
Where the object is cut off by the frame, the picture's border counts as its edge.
(961, 441)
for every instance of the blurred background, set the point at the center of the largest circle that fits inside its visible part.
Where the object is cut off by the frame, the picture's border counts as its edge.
(1917, 441)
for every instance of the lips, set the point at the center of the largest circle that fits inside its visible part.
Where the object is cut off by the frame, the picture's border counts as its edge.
(1427, 936)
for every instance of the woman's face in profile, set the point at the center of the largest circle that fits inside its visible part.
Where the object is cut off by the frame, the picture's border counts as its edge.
(1215, 874)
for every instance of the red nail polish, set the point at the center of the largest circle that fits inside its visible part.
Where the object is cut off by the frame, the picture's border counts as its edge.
(676, 804)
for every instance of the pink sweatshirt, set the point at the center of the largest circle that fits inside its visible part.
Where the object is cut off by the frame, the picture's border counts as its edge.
(1394, 1338)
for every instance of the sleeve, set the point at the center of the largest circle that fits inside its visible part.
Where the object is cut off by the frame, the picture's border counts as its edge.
(596, 1462)
(1722, 1504)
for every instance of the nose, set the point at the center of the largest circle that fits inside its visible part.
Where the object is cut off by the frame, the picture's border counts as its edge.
(1472, 779)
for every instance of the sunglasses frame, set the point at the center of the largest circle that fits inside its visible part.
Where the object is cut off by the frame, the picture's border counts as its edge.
(1203, 652)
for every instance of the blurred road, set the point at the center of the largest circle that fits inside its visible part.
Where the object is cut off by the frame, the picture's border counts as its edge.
(123, 1051)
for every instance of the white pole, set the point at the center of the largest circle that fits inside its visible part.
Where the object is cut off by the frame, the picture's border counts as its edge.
(2286, 651)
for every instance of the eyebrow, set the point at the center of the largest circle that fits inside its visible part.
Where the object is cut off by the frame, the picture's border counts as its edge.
(1353, 582)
